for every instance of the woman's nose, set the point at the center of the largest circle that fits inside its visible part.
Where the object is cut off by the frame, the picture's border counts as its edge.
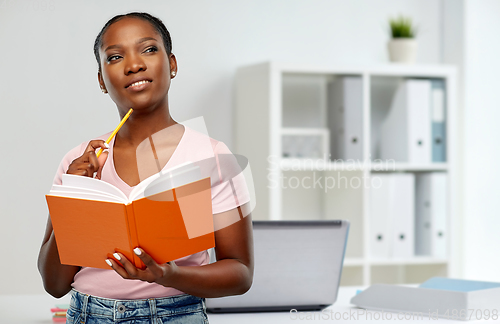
(134, 64)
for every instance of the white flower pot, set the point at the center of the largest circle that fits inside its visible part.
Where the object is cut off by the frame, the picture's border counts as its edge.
(402, 50)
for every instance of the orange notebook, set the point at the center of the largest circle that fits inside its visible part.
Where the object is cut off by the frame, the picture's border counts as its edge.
(169, 217)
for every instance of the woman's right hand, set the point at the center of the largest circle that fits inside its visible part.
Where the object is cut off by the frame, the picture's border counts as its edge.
(88, 164)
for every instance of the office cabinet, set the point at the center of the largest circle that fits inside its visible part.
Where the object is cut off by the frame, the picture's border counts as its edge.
(320, 139)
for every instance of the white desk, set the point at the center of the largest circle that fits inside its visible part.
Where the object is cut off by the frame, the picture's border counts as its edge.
(35, 309)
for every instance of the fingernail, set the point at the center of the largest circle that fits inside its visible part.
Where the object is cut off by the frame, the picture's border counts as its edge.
(106, 144)
(109, 262)
(105, 151)
(137, 251)
(117, 256)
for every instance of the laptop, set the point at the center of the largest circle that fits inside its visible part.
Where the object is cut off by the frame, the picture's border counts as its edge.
(298, 265)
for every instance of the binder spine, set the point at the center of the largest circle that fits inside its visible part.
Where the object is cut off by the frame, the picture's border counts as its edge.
(353, 119)
(346, 118)
(438, 142)
(423, 219)
(419, 127)
(438, 103)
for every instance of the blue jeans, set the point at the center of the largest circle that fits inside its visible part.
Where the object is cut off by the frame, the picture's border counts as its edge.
(180, 309)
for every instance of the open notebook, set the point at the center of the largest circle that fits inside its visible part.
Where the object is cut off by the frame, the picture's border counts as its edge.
(169, 215)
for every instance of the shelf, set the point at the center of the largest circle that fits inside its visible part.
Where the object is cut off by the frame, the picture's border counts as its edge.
(411, 261)
(399, 166)
(306, 165)
(318, 164)
(393, 69)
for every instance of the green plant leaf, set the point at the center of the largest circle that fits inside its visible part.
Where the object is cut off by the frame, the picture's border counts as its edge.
(402, 27)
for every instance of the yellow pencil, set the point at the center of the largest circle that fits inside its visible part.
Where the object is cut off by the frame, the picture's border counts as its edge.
(116, 130)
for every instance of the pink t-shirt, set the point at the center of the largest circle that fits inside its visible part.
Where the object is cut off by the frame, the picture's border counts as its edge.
(193, 146)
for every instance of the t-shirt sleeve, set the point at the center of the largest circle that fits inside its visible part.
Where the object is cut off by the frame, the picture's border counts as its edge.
(66, 161)
(231, 189)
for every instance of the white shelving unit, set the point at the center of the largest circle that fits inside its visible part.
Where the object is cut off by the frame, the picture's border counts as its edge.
(274, 99)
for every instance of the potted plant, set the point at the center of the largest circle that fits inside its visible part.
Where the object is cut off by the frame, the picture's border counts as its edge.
(402, 46)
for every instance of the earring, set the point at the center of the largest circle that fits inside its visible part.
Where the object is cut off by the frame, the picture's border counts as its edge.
(172, 74)
(104, 90)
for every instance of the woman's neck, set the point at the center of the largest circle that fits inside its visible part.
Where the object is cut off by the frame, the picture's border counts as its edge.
(141, 125)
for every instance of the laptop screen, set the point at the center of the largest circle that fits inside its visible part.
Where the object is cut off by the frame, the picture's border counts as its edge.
(298, 264)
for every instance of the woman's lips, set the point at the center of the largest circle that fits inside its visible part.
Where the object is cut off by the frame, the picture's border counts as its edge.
(138, 86)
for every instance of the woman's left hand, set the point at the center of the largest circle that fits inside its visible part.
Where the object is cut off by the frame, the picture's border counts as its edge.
(154, 272)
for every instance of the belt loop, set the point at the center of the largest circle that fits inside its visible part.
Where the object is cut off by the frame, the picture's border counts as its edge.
(84, 309)
(152, 307)
(114, 310)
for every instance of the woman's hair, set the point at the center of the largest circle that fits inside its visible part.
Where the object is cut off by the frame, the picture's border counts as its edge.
(155, 22)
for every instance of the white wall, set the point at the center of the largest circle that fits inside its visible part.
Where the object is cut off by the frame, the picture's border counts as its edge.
(50, 100)
(453, 53)
(482, 135)
(469, 32)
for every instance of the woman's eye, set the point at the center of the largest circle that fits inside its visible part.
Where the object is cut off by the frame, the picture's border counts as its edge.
(151, 49)
(113, 58)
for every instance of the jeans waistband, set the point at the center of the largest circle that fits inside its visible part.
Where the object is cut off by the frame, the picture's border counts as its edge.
(121, 309)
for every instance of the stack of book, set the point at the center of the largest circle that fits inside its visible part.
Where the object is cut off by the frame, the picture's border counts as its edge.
(59, 313)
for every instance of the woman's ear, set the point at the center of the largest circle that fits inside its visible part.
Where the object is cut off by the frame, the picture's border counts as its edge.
(101, 82)
(173, 66)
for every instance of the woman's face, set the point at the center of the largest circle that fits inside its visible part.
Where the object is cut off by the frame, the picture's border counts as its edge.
(135, 69)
